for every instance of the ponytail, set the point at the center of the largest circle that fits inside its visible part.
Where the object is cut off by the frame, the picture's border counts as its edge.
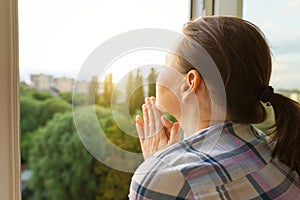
(287, 131)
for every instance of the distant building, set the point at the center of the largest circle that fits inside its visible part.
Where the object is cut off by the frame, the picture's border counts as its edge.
(42, 82)
(82, 87)
(63, 85)
(47, 83)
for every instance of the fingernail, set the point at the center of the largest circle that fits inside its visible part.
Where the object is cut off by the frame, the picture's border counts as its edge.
(163, 119)
(138, 120)
(177, 125)
(152, 99)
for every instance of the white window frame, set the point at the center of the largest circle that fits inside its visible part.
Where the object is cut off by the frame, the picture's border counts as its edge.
(10, 173)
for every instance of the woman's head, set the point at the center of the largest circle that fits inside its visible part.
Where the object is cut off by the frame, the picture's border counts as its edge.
(242, 56)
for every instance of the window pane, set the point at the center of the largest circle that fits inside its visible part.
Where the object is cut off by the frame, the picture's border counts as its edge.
(56, 37)
(278, 22)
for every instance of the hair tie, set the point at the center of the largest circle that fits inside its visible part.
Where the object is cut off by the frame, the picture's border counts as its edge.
(266, 94)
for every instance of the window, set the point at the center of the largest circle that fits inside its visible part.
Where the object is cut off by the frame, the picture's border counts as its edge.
(56, 37)
(278, 24)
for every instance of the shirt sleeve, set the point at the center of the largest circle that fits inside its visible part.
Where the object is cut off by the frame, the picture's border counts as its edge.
(156, 180)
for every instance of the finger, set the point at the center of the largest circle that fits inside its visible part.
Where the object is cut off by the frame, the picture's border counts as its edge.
(139, 121)
(157, 116)
(147, 101)
(140, 127)
(145, 114)
(152, 126)
(166, 123)
(175, 133)
(152, 100)
(146, 120)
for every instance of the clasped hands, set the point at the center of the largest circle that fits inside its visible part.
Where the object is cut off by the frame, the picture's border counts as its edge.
(156, 132)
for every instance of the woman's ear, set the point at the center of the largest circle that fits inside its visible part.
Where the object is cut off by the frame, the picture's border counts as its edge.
(191, 84)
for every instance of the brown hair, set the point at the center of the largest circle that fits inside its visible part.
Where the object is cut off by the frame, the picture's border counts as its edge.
(243, 57)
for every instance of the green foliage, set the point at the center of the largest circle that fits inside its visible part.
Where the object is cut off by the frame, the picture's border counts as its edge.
(62, 168)
(108, 90)
(114, 133)
(93, 87)
(35, 113)
(104, 116)
(66, 97)
(25, 89)
(50, 107)
(80, 99)
(29, 113)
(113, 184)
(170, 117)
(40, 95)
(26, 145)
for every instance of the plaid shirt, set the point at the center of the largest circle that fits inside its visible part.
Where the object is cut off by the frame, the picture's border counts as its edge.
(238, 166)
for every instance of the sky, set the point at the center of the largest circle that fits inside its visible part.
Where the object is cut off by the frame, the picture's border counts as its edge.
(279, 21)
(57, 36)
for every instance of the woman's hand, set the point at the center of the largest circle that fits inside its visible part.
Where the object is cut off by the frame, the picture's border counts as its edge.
(156, 132)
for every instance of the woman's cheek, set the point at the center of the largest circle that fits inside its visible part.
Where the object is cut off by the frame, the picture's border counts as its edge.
(167, 100)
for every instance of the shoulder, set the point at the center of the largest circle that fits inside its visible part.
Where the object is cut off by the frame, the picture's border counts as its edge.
(156, 179)
(198, 165)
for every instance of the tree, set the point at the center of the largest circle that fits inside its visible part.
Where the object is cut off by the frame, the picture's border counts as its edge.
(116, 183)
(25, 89)
(129, 86)
(137, 98)
(35, 113)
(41, 95)
(151, 82)
(108, 90)
(29, 113)
(50, 107)
(93, 87)
(62, 167)
(113, 184)
(67, 96)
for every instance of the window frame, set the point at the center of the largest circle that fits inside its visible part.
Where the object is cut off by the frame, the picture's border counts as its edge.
(10, 170)
(10, 173)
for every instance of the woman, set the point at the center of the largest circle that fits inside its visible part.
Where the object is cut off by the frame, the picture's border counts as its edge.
(222, 155)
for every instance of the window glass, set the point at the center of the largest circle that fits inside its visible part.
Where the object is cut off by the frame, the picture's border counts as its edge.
(56, 37)
(278, 20)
